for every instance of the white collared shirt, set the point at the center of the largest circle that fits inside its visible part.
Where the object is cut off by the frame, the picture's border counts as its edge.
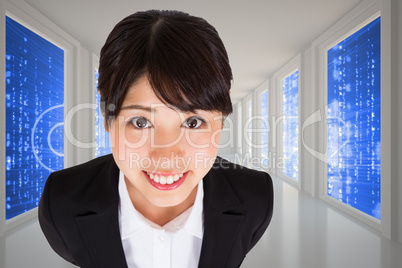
(148, 245)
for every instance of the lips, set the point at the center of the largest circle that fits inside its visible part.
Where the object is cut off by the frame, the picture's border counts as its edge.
(166, 182)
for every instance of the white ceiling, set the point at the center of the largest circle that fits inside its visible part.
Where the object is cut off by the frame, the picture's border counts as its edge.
(260, 35)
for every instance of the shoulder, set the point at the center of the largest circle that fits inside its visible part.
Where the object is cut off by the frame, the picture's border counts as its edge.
(231, 168)
(242, 179)
(249, 191)
(91, 167)
(63, 198)
(82, 173)
(69, 185)
(252, 188)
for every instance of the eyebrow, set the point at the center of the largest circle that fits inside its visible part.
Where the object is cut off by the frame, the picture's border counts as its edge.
(138, 107)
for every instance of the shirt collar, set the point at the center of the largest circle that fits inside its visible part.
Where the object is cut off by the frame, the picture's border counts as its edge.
(195, 222)
(132, 222)
(129, 218)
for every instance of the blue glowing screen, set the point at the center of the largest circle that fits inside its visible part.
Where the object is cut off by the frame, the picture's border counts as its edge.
(102, 139)
(264, 133)
(354, 112)
(290, 138)
(34, 116)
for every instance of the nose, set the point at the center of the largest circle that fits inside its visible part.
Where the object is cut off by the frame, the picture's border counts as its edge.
(167, 143)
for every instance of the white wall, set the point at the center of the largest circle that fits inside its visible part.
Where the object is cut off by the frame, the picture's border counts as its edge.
(25, 246)
(83, 117)
(398, 110)
(308, 175)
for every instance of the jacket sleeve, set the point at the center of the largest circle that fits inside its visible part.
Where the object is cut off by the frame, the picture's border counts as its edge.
(268, 216)
(47, 225)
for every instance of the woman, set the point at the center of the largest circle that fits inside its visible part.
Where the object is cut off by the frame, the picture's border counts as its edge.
(162, 198)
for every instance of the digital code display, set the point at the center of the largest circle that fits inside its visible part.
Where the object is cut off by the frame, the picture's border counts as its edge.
(290, 131)
(354, 120)
(34, 116)
(102, 138)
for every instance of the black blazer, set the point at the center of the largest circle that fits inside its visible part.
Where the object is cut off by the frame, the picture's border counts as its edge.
(78, 213)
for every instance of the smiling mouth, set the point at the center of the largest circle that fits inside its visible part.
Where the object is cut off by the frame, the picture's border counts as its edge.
(163, 181)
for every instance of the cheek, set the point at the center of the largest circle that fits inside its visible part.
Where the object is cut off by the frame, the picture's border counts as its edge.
(206, 143)
(204, 138)
(216, 137)
(132, 138)
(213, 149)
(128, 143)
(198, 140)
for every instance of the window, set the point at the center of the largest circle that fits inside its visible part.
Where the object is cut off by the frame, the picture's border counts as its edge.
(250, 128)
(102, 139)
(34, 115)
(264, 127)
(353, 120)
(240, 128)
(261, 127)
(247, 130)
(290, 126)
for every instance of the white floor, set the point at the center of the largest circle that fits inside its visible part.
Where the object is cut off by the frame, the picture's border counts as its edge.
(304, 233)
(308, 233)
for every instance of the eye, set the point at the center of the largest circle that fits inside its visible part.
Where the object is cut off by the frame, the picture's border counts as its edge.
(141, 122)
(194, 122)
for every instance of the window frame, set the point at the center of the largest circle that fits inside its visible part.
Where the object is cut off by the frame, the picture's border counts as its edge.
(277, 126)
(239, 130)
(246, 143)
(264, 87)
(34, 21)
(359, 17)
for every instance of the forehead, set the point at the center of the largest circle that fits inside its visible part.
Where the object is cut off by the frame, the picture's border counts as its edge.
(140, 92)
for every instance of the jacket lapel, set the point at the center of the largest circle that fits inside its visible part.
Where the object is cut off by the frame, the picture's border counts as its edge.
(99, 224)
(221, 224)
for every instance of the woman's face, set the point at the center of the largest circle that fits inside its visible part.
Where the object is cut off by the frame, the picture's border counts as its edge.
(163, 152)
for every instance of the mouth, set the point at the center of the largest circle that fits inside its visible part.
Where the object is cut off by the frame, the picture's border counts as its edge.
(166, 182)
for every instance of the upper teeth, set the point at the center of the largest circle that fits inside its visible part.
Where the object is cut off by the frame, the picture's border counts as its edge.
(164, 180)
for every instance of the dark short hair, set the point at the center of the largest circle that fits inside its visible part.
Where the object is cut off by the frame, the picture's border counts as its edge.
(182, 56)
